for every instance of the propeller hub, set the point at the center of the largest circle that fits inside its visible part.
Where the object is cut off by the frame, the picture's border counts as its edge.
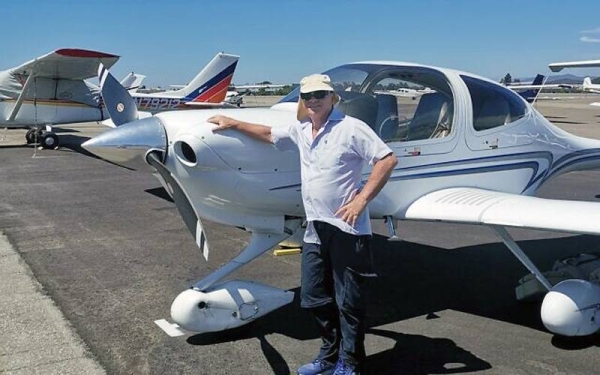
(128, 144)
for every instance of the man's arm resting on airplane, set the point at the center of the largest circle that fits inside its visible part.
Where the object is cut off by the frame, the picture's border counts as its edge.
(380, 174)
(256, 131)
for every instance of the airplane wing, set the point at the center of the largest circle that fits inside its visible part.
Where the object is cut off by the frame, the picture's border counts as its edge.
(557, 67)
(73, 64)
(479, 206)
(258, 86)
(539, 87)
(209, 105)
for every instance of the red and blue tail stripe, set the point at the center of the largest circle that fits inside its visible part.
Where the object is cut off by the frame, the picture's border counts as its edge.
(215, 89)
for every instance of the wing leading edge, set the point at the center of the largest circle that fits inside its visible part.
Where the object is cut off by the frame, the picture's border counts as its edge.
(479, 206)
(73, 64)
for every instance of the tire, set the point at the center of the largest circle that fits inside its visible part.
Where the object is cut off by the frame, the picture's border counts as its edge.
(49, 140)
(30, 136)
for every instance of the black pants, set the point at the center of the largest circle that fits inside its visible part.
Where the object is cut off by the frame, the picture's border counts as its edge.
(335, 276)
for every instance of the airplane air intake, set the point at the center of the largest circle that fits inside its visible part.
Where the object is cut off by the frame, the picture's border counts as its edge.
(128, 144)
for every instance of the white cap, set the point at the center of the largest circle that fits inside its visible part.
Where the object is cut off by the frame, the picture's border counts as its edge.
(315, 82)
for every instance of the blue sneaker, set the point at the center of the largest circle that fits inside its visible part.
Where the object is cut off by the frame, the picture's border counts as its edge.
(316, 367)
(342, 368)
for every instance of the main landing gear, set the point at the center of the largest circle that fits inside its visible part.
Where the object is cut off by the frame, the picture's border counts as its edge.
(45, 138)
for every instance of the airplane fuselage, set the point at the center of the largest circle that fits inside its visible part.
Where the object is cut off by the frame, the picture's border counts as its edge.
(42, 112)
(264, 183)
(158, 104)
(468, 152)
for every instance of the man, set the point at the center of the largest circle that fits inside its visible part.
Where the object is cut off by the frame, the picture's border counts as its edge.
(336, 257)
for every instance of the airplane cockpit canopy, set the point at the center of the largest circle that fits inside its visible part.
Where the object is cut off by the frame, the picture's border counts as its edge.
(493, 105)
(400, 103)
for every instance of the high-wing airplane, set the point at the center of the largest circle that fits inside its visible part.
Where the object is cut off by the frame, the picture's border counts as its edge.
(557, 67)
(51, 89)
(472, 151)
(587, 86)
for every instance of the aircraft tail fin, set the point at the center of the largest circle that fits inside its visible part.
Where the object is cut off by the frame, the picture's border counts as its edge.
(587, 83)
(211, 84)
(118, 101)
(532, 94)
(132, 81)
(539, 79)
(542, 80)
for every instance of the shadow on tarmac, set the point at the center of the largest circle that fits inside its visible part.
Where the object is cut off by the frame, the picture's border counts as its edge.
(73, 142)
(417, 280)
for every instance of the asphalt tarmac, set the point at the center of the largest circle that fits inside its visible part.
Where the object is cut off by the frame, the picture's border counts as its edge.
(109, 249)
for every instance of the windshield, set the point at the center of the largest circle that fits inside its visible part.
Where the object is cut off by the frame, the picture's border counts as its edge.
(400, 103)
(343, 78)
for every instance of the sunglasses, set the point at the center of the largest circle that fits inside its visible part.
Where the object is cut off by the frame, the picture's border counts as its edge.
(315, 94)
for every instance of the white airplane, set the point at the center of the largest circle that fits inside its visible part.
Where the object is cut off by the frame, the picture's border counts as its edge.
(207, 89)
(589, 86)
(404, 92)
(257, 87)
(236, 93)
(557, 67)
(132, 82)
(472, 152)
(51, 89)
(234, 98)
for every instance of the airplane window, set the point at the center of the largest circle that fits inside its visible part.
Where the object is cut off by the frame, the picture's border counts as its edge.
(493, 105)
(400, 103)
(413, 104)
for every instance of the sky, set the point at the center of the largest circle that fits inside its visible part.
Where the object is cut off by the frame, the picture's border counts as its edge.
(282, 41)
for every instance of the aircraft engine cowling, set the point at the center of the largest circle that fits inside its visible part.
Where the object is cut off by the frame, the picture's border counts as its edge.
(227, 305)
(572, 308)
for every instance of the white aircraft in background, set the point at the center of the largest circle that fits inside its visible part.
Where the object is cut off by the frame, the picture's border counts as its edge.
(589, 86)
(404, 92)
(207, 89)
(132, 82)
(557, 67)
(236, 93)
(51, 89)
(473, 151)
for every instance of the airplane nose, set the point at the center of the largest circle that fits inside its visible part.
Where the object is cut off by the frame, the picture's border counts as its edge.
(128, 144)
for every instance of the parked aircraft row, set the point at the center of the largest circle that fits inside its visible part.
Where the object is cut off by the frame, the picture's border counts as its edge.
(587, 82)
(531, 91)
(472, 151)
(53, 89)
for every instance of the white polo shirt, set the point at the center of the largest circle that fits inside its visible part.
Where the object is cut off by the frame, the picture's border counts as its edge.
(331, 167)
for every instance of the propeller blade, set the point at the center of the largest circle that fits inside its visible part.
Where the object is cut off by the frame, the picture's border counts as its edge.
(118, 101)
(191, 220)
